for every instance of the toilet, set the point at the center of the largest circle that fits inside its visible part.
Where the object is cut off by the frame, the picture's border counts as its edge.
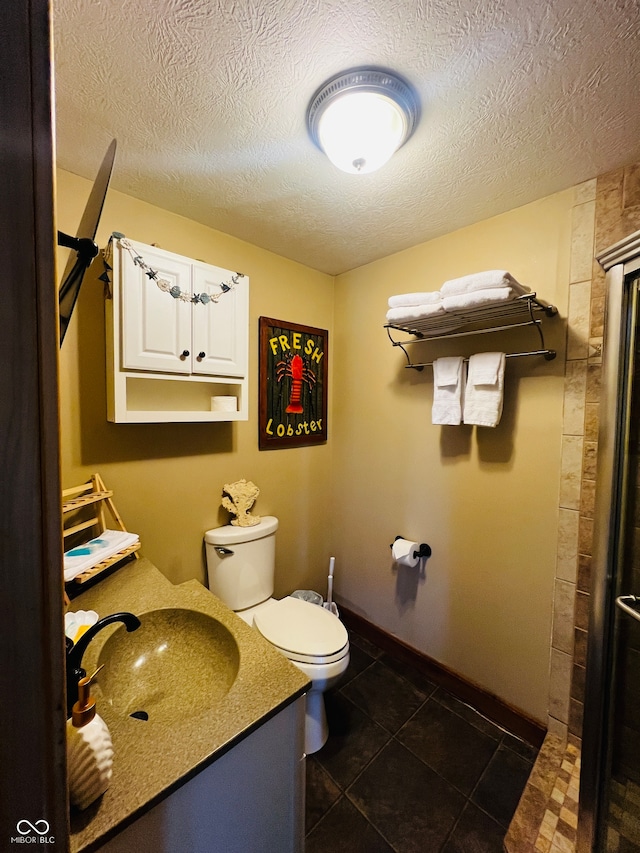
(241, 568)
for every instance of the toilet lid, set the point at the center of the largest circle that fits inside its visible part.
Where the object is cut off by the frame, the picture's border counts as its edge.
(302, 628)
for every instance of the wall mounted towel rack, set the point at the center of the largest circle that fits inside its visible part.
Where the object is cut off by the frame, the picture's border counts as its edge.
(524, 311)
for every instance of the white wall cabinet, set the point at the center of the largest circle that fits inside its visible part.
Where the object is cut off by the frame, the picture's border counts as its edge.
(166, 358)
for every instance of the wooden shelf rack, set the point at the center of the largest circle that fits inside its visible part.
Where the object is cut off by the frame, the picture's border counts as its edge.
(93, 499)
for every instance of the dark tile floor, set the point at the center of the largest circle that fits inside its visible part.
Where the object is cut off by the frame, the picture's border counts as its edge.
(408, 767)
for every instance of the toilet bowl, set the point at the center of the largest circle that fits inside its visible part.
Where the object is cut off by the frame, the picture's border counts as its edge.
(241, 567)
(315, 641)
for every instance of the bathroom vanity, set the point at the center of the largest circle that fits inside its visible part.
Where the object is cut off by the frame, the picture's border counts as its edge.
(219, 762)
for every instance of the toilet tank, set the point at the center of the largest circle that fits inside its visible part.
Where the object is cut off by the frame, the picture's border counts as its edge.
(241, 562)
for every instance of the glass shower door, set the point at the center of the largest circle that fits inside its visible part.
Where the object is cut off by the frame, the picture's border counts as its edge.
(618, 829)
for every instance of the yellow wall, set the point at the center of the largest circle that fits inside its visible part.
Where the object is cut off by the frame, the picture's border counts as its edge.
(486, 500)
(168, 478)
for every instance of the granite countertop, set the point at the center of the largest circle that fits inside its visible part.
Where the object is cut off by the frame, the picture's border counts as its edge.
(154, 757)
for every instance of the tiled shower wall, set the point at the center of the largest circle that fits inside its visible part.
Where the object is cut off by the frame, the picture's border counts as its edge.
(605, 210)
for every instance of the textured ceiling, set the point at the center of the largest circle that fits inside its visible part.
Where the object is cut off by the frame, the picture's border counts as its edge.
(207, 101)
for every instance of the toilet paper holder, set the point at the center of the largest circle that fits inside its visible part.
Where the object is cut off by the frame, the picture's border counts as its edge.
(423, 552)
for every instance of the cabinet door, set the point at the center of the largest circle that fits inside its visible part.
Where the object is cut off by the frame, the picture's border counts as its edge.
(220, 329)
(249, 800)
(156, 328)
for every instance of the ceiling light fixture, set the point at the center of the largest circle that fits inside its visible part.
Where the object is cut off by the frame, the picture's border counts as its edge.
(360, 118)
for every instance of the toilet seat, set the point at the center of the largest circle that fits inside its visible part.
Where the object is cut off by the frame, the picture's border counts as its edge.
(303, 631)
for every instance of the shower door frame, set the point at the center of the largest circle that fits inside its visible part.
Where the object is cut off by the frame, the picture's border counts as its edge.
(621, 263)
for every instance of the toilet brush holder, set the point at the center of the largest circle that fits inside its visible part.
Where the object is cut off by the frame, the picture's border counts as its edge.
(330, 603)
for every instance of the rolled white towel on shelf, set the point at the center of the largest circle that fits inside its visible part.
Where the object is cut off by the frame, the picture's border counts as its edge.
(448, 390)
(478, 298)
(410, 314)
(484, 393)
(404, 300)
(483, 281)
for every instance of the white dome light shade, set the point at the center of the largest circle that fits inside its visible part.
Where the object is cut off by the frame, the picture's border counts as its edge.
(361, 117)
(360, 131)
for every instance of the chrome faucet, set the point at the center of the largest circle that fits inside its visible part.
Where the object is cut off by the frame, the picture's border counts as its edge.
(76, 651)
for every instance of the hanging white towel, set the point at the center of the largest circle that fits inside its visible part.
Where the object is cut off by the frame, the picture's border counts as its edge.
(478, 298)
(412, 313)
(403, 300)
(448, 390)
(484, 393)
(482, 281)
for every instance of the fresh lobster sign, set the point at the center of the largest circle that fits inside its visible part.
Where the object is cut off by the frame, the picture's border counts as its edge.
(293, 384)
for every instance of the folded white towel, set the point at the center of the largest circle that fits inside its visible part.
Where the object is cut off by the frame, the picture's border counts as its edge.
(484, 393)
(84, 557)
(403, 300)
(482, 281)
(477, 298)
(409, 313)
(448, 390)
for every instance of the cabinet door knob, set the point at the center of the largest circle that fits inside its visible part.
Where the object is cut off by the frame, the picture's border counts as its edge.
(201, 354)
(185, 353)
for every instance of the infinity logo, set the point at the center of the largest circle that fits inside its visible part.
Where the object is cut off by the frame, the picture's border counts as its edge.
(32, 827)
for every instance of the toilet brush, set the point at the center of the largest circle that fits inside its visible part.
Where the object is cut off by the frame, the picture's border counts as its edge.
(329, 603)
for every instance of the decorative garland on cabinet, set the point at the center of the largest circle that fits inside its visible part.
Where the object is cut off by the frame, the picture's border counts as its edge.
(162, 283)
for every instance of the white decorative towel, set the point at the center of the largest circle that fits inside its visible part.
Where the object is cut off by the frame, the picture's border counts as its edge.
(482, 281)
(478, 298)
(484, 393)
(84, 557)
(409, 314)
(403, 300)
(448, 390)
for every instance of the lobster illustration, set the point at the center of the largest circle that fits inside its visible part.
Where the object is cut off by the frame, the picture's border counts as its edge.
(297, 370)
